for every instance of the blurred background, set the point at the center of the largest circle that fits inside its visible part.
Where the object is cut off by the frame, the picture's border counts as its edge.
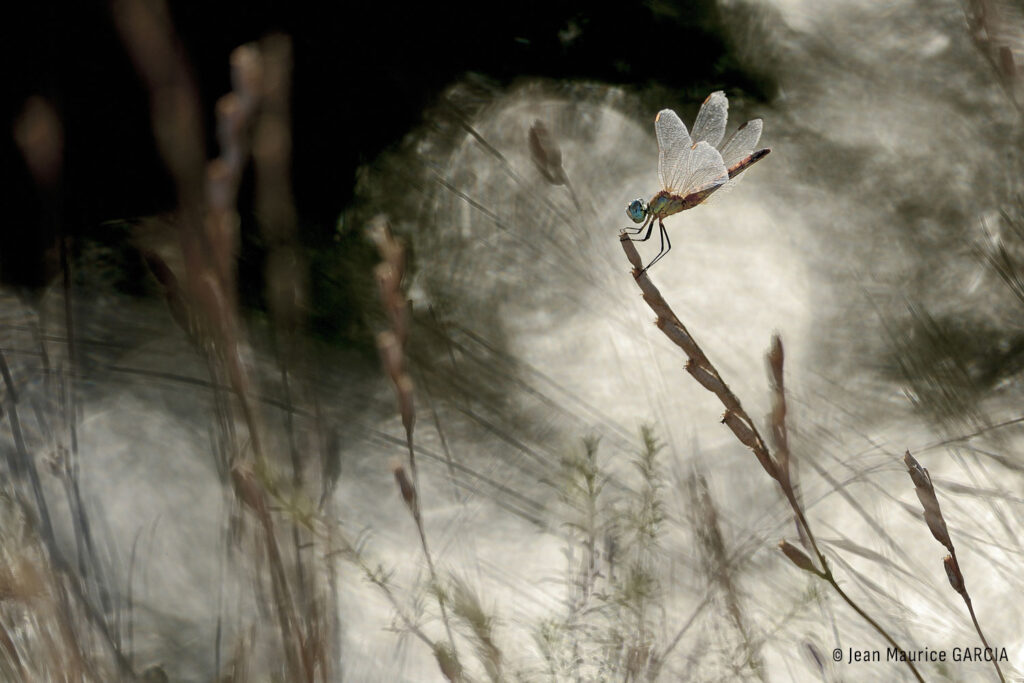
(203, 450)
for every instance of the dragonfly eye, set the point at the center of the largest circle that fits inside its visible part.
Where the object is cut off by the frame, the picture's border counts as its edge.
(637, 210)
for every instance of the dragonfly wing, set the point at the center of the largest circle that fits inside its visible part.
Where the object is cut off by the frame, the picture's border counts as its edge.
(704, 169)
(710, 123)
(742, 143)
(739, 147)
(674, 146)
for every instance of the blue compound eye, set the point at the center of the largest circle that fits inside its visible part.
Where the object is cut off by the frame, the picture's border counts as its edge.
(637, 210)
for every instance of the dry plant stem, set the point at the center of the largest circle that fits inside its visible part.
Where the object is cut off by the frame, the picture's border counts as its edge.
(977, 627)
(414, 508)
(272, 146)
(40, 136)
(738, 421)
(262, 75)
(350, 549)
(88, 562)
(391, 344)
(995, 28)
(937, 525)
(207, 194)
(251, 492)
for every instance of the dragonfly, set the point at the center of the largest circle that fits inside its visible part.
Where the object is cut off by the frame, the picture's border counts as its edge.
(692, 166)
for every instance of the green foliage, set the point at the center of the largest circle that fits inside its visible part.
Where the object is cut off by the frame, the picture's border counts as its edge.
(614, 591)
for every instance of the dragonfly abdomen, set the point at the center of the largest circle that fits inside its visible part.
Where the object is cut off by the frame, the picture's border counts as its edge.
(743, 164)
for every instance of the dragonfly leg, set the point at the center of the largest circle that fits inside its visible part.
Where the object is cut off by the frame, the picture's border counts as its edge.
(648, 226)
(666, 245)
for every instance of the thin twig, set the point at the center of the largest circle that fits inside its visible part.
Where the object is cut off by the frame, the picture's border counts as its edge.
(391, 344)
(937, 525)
(743, 427)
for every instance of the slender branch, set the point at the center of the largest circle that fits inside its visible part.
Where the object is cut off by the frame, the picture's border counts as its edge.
(831, 580)
(937, 525)
(741, 425)
(391, 345)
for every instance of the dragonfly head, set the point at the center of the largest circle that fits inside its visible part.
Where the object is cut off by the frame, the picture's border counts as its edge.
(637, 210)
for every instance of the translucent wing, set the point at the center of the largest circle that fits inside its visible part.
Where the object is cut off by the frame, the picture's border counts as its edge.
(710, 123)
(704, 168)
(742, 142)
(740, 146)
(674, 147)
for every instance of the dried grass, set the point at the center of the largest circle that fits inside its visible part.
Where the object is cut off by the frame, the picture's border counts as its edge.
(282, 543)
(745, 430)
(937, 525)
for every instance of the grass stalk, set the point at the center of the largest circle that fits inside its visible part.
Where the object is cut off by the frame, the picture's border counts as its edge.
(391, 344)
(744, 428)
(937, 525)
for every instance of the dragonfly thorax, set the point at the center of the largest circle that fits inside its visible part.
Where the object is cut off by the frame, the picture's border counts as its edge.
(665, 204)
